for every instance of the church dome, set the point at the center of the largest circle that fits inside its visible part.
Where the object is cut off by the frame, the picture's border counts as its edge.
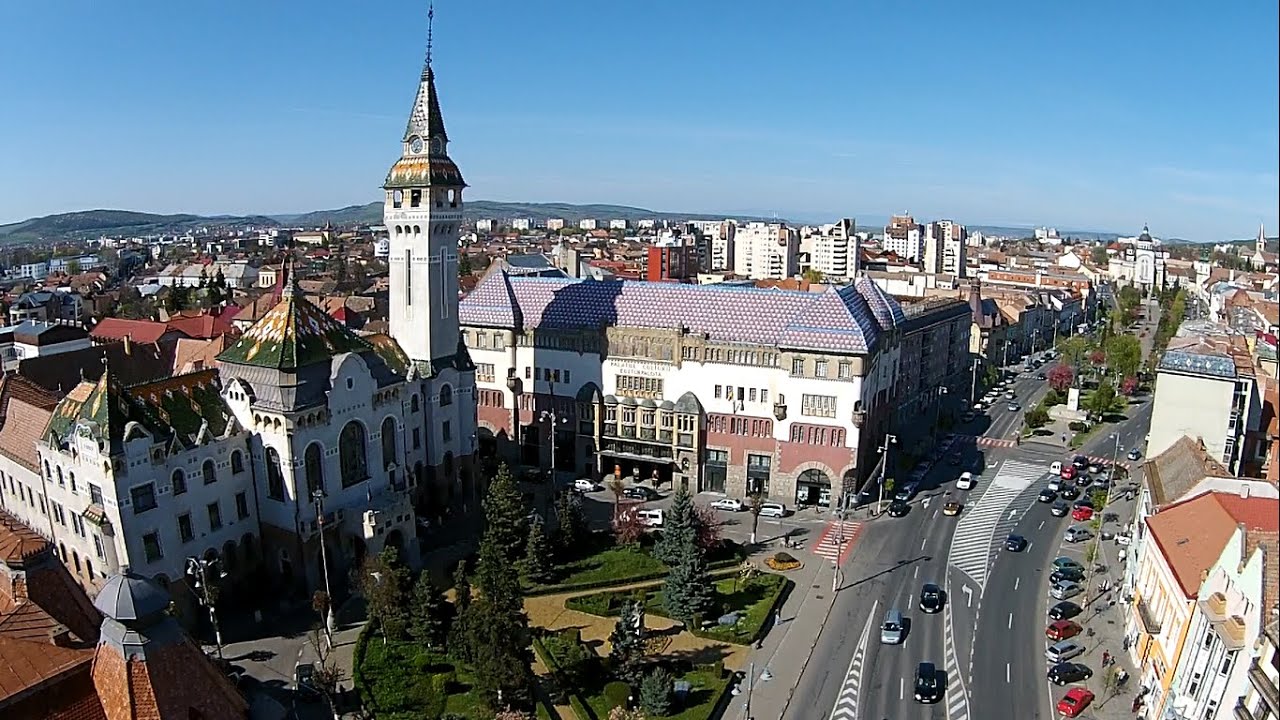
(130, 597)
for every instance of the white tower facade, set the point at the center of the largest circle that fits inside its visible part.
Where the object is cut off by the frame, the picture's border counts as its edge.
(423, 216)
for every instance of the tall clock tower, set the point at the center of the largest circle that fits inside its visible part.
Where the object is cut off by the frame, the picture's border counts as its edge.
(423, 214)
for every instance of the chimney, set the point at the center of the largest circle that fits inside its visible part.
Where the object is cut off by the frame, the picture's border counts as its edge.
(128, 344)
(1244, 490)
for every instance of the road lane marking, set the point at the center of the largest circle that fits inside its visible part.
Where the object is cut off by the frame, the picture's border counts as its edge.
(846, 707)
(917, 573)
(902, 688)
(968, 596)
(1016, 582)
(922, 543)
(1007, 674)
(1010, 621)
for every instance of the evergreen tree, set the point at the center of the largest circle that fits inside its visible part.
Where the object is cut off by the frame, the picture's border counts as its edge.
(571, 525)
(461, 588)
(687, 591)
(626, 651)
(386, 589)
(655, 692)
(500, 654)
(535, 566)
(460, 631)
(429, 617)
(505, 516)
(179, 298)
(678, 531)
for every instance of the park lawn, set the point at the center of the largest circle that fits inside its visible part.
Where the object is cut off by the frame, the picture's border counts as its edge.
(615, 564)
(406, 681)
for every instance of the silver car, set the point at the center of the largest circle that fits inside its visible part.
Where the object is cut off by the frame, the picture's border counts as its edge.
(1076, 534)
(1064, 589)
(1063, 651)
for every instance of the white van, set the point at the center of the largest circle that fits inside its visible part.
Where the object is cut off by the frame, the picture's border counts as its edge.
(965, 482)
(773, 510)
(650, 517)
(1056, 468)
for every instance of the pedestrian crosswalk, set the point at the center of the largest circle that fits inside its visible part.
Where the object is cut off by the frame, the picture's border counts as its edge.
(836, 540)
(984, 441)
(972, 542)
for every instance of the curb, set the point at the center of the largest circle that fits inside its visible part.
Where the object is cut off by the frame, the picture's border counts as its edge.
(791, 692)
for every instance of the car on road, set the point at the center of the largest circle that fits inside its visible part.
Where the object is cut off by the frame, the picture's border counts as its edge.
(931, 598)
(1041, 376)
(906, 492)
(1070, 492)
(1095, 467)
(773, 510)
(1062, 651)
(640, 492)
(1065, 590)
(1064, 610)
(1015, 543)
(1082, 513)
(893, 630)
(729, 504)
(650, 517)
(965, 482)
(1068, 472)
(1046, 496)
(1011, 395)
(1075, 534)
(1063, 563)
(1066, 673)
(927, 687)
(1079, 462)
(304, 682)
(1069, 574)
(1014, 407)
(1056, 468)
(952, 508)
(899, 508)
(1134, 454)
(1061, 630)
(1059, 508)
(1074, 702)
(1084, 502)
(587, 485)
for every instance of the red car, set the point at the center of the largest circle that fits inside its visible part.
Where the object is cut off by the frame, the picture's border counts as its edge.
(1082, 512)
(1068, 472)
(1061, 630)
(1074, 702)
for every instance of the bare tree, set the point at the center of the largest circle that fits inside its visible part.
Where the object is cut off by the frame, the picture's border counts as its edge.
(755, 502)
(616, 487)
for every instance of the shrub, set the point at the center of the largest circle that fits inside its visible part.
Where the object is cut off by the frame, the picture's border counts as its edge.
(784, 557)
(1077, 426)
(616, 694)
(655, 692)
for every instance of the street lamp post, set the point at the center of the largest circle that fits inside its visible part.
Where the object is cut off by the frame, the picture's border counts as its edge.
(1115, 455)
(553, 420)
(937, 411)
(198, 570)
(884, 452)
(317, 496)
(973, 388)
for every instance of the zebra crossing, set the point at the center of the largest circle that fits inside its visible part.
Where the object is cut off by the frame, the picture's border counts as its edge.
(836, 540)
(957, 697)
(975, 532)
(985, 441)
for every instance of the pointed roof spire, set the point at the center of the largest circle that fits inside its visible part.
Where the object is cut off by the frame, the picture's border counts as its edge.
(426, 121)
(431, 18)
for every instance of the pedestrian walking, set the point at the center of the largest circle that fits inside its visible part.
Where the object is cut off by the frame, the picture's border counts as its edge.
(1106, 658)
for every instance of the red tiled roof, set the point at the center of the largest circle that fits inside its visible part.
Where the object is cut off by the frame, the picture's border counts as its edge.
(1191, 534)
(143, 331)
(17, 541)
(25, 664)
(204, 326)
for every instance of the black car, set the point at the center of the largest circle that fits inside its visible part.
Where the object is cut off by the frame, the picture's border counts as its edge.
(1041, 376)
(1015, 543)
(1070, 492)
(1064, 610)
(1060, 508)
(928, 689)
(898, 508)
(1083, 480)
(1084, 502)
(1080, 462)
(931, 598)
(1047, 496)
(1069, 573)
(1066, 673)
(640, 492)
(304, 682)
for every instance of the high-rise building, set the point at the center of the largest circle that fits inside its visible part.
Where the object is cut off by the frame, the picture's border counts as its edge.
(833, 249)
(944, 248)
(904, 236)
(766, 251)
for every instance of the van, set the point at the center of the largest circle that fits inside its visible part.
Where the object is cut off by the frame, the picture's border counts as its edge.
(965, 482)
(773, 510)
(650, 517)
(1056, 468)
(1063, 651)
(891, 630)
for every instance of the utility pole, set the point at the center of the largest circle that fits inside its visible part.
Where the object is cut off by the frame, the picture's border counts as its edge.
(884, 453)
(973, 389)
(937, 411)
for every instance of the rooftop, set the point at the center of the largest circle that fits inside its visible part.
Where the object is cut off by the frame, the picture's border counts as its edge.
(1173, 473)
(1191, 534)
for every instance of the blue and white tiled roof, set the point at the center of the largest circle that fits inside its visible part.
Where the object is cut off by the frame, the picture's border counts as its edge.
(848, 319)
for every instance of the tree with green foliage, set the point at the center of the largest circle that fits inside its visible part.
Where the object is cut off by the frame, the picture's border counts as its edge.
(178, 298)
(385, 584)
(1074, 349)
(626, 643)
(1099, 256)
(74, 268)
(505, 515)
(1036, 417)
(535, 566)
(655, 691)
(687, 592)
(1101, 401)
(429, 613)
(678, 528)
(571, 524)
(459, 631)
(1124, 354)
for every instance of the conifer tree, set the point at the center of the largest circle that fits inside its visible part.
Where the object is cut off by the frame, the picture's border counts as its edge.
(535, 566)
(429, 617)
(678, 529)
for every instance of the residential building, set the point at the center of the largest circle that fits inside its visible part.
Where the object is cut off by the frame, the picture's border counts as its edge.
(67, 264)
(989, 332)
(671, 262)
(522, 224)
(47, 306)
(944, 248)
(765, 251)
(33, 270)
(1187, 540)
(110, 330)
(619, 224)
(685, 384)
(1261, 700)
(934, 368)
(555, 224)
(723, 239)
(39, 340)
(1206, 388)
(238, 274)
(904, 236)
(833, 249)
(588, 224)
(485, 225)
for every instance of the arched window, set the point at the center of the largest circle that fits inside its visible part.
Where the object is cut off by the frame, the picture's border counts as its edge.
(275, 481)
(312, 460)
(47, 474)
(61, 482)
(388, 441)
(352, 450)
(75, 557)
(207, 470)
(179, 482)
(446, 396)
(88, 568)
(237, 462)
(71, 477)
(413, 403)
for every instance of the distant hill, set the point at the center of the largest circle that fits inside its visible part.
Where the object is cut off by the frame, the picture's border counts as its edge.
(93, 223)
(371, 214)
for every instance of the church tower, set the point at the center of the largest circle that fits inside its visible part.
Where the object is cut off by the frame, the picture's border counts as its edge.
(423, 215)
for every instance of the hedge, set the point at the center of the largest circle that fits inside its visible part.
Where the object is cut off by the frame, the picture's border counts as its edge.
(580, 709)
(717, 565)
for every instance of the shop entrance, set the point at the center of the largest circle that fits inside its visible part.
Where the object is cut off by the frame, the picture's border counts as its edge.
(637, 469)
(813, 487)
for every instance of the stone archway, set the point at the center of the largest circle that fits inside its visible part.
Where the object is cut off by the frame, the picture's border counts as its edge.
(813, 487)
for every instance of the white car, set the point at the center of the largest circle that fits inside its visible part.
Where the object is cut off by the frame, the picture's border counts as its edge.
(1056, 467)
(586, 485)
(650, 517)
(728, 504)
(966, 481)
(773, 510)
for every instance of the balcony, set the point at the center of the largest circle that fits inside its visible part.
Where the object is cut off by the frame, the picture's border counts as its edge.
(1232, 632)
(1214, 607)
(1242, 712)
(1266, 687)
(1150, 623)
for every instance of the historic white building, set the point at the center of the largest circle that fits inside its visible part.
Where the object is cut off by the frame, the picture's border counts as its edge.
(1140, 263)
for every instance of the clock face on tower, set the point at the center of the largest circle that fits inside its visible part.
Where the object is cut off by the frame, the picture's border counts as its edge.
(415, 145)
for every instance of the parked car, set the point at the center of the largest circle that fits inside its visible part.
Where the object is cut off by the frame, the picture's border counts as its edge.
(1083, 502)
(906, 492)
(952, 508)
(773, 510)
(1074, 702)
(1070, 492)
(1079, 462)
(1047, 496)
(304, 682)
(1095, 467)
(1063, 563)
(1066, 574)
(1062, 651)
(1068, 472)
(898, 508)
(1065, 590)
(1059, 508)
(587, 485)
(931, 598)
(640, 492)
(966, 481)
(1076, 534)
(728, 504)
(1015, 543)
(1068, 672)
(1061, 630)
(1064, 610)
(927, 688)
(1014, 407)
(1082, 513)
(650, 517)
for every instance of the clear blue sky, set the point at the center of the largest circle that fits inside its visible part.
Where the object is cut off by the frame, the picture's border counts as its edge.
(1087, 115)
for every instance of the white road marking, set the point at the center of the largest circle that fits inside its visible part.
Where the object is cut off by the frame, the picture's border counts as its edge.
(968, 596)
(1016, 582)
(972, 542)
(846, 707)
(917, 573)
(1007, 673)
(1041, 525)
(1010, 621)
(902, 688)
(922, 544)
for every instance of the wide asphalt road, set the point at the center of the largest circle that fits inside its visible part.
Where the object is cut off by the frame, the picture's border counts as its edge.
(1008, 658)
(850, 674)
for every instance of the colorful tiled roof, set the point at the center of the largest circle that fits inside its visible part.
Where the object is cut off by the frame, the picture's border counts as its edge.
(293, 334)
(1191, 534)
(845, 319)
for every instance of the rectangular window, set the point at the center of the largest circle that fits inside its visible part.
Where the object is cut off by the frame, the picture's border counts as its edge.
(446, 431)
(242, 506)
(186, 532)
(764, 395)
(818, 405)
(151, 546)
(845, 370)
(1227, 661)
(417, 438)
(639, 386)
(797, 366)
(717, 392)
(215, 516)
(143, 497)
(546, 374)
(98, 547)
(484, 372)
(820, 368)
(753, 395)
(95, 494)
(566, 376)
(499, 341)
(528, 373)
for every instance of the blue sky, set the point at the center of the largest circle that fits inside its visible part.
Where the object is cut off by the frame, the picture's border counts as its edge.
(1088, 115)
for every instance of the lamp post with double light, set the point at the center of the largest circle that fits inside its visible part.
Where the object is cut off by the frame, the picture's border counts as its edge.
(199, 570)
(884, 477)
(317, 497)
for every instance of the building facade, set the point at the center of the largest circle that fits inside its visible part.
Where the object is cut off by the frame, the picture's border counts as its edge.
(765, 251)
(833, 249)
(944, 248)
(904, 236)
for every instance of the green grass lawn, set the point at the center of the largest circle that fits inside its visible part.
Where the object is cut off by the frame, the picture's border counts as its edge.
(405, 681)
(610, 564)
